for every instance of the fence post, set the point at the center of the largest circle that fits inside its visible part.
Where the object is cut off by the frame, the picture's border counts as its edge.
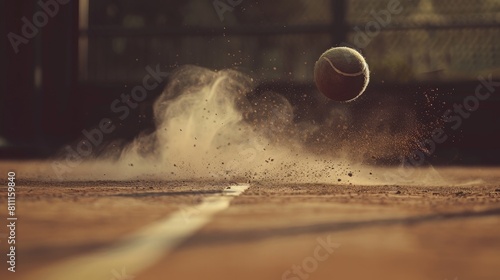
(339, 24)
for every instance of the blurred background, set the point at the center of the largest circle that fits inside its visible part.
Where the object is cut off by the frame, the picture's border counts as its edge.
(64, 79)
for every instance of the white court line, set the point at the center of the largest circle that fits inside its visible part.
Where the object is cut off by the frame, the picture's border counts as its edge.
(144, 248)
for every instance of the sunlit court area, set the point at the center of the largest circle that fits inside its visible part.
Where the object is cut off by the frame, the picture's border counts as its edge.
(240, 139)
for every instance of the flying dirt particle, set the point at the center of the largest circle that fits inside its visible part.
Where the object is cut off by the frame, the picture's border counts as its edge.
(398, 192)
(131, 164)
(371, 173)
(349, 174)
(339, 180)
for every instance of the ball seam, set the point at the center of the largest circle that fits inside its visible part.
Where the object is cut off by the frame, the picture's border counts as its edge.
(344, 73)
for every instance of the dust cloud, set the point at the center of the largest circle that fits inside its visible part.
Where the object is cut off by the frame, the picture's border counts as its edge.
(219, 125)
(215, 125)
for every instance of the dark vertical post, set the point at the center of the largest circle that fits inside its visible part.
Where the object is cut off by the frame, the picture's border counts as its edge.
(59, 67)
(17, 96)
(3, 65)
(339, 23)
(38, 75)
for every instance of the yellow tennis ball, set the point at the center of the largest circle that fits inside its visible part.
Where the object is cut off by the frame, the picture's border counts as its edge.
(341, 74)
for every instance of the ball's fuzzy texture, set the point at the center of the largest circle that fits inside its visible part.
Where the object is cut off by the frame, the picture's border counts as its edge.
(341, 74)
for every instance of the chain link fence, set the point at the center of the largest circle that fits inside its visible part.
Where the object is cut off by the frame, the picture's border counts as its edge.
(437, 40)
(428, 40)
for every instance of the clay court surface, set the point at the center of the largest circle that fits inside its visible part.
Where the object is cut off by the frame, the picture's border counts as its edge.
(448, 231)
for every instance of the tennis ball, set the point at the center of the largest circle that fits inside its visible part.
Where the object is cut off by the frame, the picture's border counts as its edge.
(341, 74)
